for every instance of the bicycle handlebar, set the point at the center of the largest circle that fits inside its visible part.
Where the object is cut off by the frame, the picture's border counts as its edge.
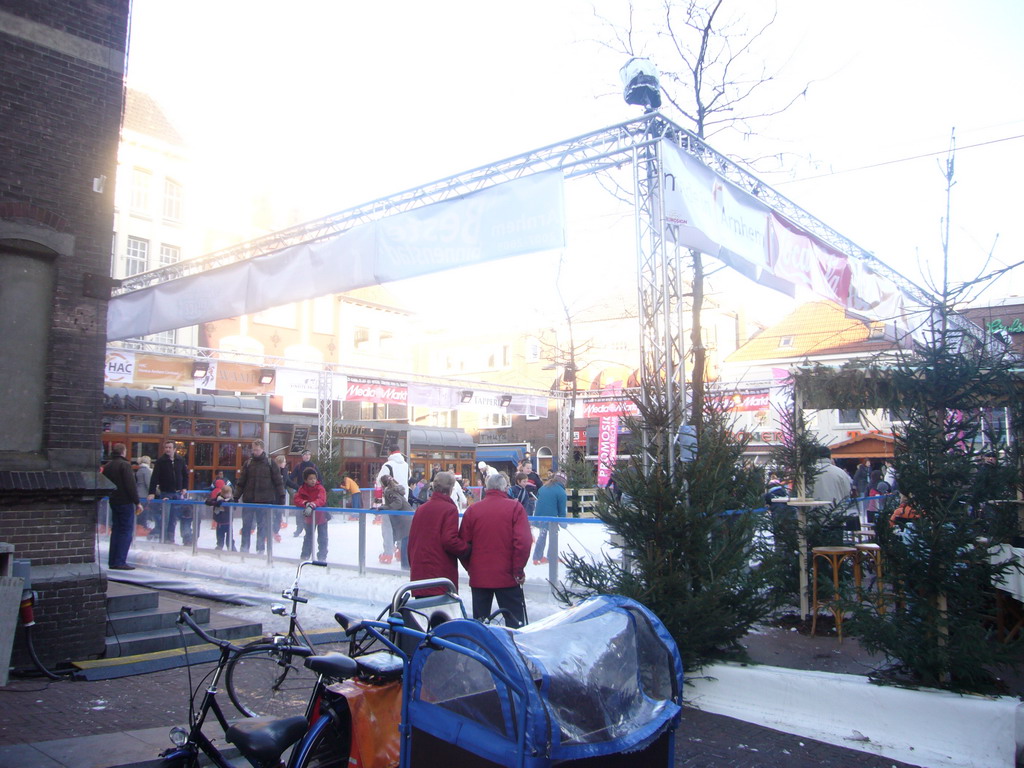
(185, 617)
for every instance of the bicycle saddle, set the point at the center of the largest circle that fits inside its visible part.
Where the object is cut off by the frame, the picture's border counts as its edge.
(262, 740)
(334, 665)
(382, 666)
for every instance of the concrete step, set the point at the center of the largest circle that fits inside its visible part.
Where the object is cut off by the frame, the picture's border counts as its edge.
(162, 616)
(156, 640)
(122, 597)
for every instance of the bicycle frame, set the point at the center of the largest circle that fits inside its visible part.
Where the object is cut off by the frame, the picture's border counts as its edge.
(319, 715)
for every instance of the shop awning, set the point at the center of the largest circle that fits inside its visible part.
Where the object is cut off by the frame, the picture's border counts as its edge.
(438, 437)
(500, 453)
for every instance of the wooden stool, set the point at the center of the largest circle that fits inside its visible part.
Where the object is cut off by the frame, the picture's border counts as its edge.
(834, 556)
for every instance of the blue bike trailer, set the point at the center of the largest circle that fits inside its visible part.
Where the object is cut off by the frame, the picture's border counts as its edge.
(597, 684)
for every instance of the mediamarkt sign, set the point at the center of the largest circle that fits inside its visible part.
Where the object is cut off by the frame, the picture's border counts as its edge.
(376, 391)
(595, 410)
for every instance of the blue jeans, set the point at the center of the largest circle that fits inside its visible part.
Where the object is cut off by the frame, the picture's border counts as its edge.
(180, 514)
(122, 525)
(538, 551)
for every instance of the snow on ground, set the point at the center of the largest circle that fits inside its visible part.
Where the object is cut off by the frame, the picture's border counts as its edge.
(250, 578)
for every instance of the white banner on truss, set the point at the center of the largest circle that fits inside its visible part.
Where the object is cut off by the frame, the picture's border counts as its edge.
(520, 216)
(306, 383)
(450, 398)
(706, 212)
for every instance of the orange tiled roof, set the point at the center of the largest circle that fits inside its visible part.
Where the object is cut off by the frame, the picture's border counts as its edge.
(815, 328)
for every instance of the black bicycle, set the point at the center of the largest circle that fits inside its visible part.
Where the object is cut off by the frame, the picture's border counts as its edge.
(267, 677)
(321, 738)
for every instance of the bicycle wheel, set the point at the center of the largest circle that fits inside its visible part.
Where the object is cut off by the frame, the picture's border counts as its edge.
(268, 679)
(329, 742)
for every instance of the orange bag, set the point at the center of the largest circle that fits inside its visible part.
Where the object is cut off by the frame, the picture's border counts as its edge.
(376, 713)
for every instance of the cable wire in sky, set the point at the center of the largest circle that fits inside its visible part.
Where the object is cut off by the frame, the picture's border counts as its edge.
(898, 160)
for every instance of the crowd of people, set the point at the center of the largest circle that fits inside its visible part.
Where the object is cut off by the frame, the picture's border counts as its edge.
(866, 489)
(418, 516)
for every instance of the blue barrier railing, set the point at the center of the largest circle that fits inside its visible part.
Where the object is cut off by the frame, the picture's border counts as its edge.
(164, 520)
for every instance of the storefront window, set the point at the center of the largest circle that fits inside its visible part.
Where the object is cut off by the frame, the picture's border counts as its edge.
(202, 479)
(180, 427)
(229, 429)
(202, 454)
(252, 429)
(206, 428)
(140, 449)
(228, 455)
(146, 425)
(114, 422)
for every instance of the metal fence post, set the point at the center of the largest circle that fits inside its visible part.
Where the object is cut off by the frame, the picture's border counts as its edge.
(197, 511)
(268, 522)
(553, 548)
(362, 543)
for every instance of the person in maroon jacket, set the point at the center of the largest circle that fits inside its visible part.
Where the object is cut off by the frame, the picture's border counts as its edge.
(434, 541)
(498, 530)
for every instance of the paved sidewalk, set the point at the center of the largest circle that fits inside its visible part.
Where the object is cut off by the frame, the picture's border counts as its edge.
(124, 722)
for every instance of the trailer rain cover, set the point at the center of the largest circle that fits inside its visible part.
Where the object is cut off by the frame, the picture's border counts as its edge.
(600, 678)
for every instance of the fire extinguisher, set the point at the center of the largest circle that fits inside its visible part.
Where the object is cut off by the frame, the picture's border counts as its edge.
(26, 612)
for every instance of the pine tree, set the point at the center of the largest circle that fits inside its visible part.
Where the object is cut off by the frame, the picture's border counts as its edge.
(688, 548)
(950, 466)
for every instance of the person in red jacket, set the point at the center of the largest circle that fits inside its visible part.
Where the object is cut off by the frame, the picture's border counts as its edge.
(310, 497)
(434, 541)
(498, 530)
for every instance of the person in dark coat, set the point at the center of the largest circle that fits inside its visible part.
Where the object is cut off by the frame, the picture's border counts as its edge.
(498, 530)
(170, 481)
(124, 506)
(434, 541)
(259, 483)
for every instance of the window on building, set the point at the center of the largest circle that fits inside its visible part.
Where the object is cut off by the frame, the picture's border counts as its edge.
(360, 337)
(136, 257)
(142, 181)
(785, 342)
(169, 254)
(532, 350)
(157, 340)
(495, 420)
(849, 416)
(172, 200)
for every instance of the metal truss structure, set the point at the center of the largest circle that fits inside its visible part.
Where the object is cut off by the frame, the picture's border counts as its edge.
(636, 143)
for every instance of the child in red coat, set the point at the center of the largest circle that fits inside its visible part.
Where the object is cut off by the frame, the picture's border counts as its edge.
(310, 497)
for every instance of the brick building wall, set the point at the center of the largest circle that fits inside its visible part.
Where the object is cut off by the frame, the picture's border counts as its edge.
(61, 95)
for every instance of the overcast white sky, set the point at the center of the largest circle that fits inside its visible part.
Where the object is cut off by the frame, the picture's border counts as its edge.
(327, 104)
